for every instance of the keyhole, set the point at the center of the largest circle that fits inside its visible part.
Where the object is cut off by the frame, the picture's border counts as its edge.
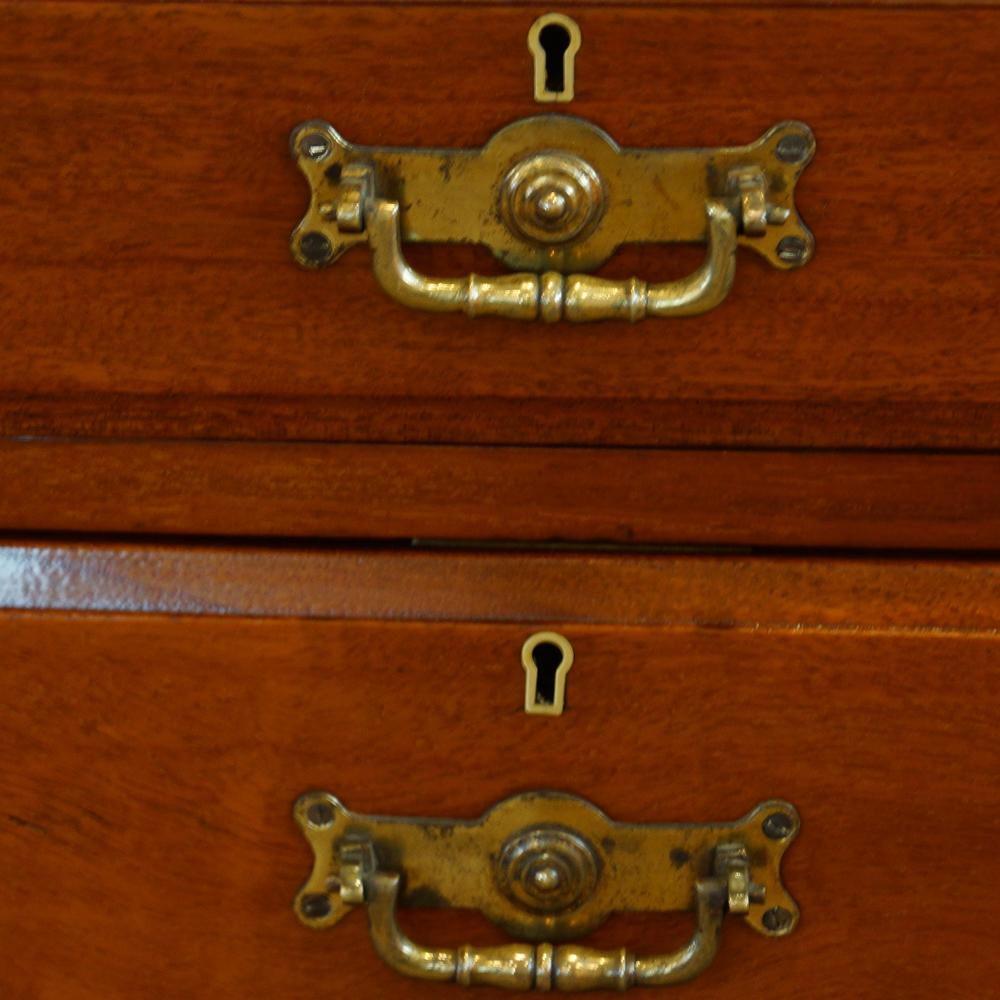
(554, 40)
(546, 658)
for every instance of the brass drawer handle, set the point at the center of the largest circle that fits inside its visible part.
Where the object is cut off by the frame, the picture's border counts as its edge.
(551, 296)
(553, 196)
(549, 867)
(543, 967)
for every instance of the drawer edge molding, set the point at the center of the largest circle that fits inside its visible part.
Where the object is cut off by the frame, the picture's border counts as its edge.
(722, 592)
(847, 500)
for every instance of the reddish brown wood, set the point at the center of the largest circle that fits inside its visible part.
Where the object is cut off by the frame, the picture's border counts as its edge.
(865, 500)
(539, 587)
(148, 765)
(146, 199)
(825, 4)
(672, 423)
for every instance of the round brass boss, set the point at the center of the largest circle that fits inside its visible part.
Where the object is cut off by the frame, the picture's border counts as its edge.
(547, 869)
(551, 197)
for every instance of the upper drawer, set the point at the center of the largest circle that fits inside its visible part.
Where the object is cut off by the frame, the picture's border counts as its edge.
(147, 198)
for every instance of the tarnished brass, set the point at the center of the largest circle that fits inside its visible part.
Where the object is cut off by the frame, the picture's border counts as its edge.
(553, 195)
(548, 867)
(551, 198)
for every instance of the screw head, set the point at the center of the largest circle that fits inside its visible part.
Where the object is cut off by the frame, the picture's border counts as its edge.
(793, 148)
(778, 920)
(315, 905)
(793, 250)
(320, 814)
(315, 145)
(778, 825)
(315, 248)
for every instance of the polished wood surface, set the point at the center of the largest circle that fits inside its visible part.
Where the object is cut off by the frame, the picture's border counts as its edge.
(845, 4)
(432, 584)
(148, 764)
(147, 197)
(818, 499)
(165, 370)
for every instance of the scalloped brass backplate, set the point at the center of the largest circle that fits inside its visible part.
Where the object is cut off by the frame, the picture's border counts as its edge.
(546, 865)
(556, 193)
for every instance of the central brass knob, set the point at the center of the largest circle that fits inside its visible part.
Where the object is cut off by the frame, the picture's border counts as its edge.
(546, 878)
(547, 869)
(551, 198)
(551, 205)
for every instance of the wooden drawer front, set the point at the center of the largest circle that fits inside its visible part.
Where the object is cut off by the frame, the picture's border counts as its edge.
(150, 760)
(147, 200)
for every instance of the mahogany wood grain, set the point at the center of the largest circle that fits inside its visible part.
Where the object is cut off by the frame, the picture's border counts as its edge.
(148, 765)
(359, 419)
(815, 499)
(146, 199)
(529, 587)
(610, 4)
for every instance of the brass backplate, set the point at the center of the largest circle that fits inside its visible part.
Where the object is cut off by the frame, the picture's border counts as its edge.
(644, 195)
(470, 863)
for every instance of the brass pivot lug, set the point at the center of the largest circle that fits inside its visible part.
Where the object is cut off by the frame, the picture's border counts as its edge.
(357, 863)
(732, 862)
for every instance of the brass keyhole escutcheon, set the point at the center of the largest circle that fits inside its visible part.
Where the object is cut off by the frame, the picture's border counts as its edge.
(554, 40)
(547, 658)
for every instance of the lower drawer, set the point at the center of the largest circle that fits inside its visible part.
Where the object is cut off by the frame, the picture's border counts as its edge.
(164, 708)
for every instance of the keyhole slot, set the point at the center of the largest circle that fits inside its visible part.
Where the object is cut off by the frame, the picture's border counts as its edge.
(554, 40)
(546, 658)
